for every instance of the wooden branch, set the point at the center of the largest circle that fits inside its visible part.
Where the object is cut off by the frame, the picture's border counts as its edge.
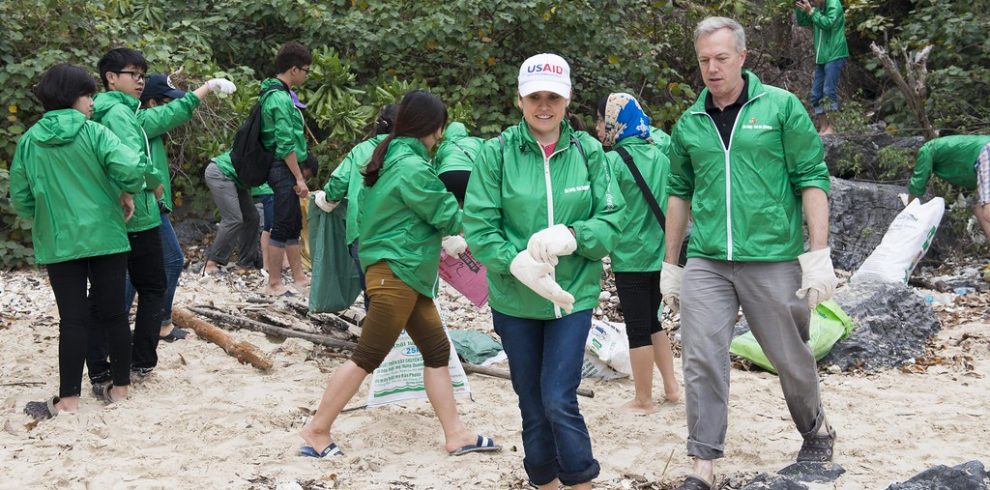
(326, 340)
(243, 351)
(249, 324)
(914, 88)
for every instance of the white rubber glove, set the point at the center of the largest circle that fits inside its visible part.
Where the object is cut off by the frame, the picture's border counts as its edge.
(549, 243)
(818, 279)
(538, 276)
(670, 285)
(454, 245)
(221, 85)
(320, 198)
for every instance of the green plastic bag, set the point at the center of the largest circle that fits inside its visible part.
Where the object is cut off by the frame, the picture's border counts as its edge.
(335, 282)
(474, 346)
(829, 324)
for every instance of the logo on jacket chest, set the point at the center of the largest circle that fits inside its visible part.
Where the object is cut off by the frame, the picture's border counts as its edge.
(754, 123)
(577, 188)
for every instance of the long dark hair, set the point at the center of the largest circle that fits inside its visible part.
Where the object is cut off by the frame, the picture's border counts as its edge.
(386, 119)
(420, 114)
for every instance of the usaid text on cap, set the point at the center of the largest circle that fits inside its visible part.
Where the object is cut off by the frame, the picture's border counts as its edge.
(545, 67)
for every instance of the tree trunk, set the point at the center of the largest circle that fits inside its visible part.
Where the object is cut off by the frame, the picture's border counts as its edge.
(914, 88)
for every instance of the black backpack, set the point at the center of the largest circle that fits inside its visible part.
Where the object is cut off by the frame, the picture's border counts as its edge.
(250, 158)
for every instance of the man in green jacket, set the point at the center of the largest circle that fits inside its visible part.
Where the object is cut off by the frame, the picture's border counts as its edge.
(283, 132)
(165, 107)
(829, 27)
(961, 160)
(745, 162)
(122, 71)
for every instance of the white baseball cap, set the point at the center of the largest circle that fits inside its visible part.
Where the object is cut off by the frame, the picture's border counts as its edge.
(545, 72)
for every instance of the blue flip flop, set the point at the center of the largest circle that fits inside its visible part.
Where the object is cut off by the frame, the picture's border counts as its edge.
(331, 450)
(483, 444)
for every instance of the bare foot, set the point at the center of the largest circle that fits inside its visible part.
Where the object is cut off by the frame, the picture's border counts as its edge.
(275, 291)
(68, 404)
(316, 440)
(118, 393)
(672, 395)
(638, 407)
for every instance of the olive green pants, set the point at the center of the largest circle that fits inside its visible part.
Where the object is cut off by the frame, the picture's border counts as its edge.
(396, 306)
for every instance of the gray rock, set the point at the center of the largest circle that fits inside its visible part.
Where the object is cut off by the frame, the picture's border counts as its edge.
(967, 476)
(851, 155)
(192, 231)
(893, 322)
(859, 215)
(765, 481)
(813, 472)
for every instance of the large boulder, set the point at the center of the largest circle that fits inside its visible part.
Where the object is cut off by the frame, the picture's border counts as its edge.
(867, 155)
(893, 324)
(859, 215)
(967, 476)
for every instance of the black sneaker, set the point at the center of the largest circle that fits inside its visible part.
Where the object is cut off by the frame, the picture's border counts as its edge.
(176, 334)
(818, 448)
(139, 374)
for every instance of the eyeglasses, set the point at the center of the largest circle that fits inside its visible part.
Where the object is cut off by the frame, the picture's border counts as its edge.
(305, 69)
(135, 75)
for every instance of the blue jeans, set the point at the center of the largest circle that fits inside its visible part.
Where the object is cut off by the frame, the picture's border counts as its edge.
(826, 83)
(545, 358)
(173, 261)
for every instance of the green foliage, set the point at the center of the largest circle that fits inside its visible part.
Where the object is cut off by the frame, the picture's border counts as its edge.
(14, 232)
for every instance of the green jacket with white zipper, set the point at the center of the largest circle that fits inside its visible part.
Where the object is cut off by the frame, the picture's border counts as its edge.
(282, 128)
(118, 112)
(159, 120)
(347, 181)
(515, 191)
(746, 199)
(458, 151)
(953, 158)
(66, 178)
(405, 215)
(828, 25)
(641, 247)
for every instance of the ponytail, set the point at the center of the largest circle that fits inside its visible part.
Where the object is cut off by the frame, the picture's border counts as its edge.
(374, 167)
(419, 114)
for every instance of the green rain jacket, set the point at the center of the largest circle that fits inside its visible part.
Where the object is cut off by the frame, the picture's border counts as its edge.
(514, 192)
(746, 199)
(346, 181)
(661, 139)
(156, 122)
(829, 30)
(457, 151)
(641, 248)
(953, 158)
(118, 112)
(282, 128)
(405, 215)
(66, 176)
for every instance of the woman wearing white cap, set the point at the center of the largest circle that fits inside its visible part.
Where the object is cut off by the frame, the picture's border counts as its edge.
(540, 213)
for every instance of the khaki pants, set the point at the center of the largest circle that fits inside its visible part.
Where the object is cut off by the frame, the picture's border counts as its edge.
(394, 306)
(711, 295)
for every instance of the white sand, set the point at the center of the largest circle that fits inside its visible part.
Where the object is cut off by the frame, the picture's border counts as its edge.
(204, 421)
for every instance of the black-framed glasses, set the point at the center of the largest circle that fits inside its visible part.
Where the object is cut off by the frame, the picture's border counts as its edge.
(135, 75)
(304, 68)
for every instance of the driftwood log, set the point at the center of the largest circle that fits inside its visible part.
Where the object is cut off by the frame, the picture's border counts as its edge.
(242, 351)
(328, 341)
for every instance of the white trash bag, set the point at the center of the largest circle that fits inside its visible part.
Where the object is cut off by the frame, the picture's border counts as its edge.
(904, 244)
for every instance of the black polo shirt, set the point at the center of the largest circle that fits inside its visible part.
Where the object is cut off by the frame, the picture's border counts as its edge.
(726, 118)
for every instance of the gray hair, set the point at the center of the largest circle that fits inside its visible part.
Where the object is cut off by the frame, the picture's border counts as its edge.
(711, 24)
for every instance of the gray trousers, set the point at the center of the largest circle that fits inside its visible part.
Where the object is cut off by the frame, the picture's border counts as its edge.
(711, 295)
(238, 221)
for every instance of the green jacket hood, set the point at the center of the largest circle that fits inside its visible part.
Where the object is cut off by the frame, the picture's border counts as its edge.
(106, 100)
(59, 127)
(455, 131)
(271, 82)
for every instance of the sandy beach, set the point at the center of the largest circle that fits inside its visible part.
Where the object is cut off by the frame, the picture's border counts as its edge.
(202, 420)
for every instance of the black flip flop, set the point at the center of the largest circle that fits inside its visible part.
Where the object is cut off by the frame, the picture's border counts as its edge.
(42, 410)
(176, 334)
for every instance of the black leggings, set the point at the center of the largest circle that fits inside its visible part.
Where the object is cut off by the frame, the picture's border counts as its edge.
(639, 294)
(105, 277)
(456, 182)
